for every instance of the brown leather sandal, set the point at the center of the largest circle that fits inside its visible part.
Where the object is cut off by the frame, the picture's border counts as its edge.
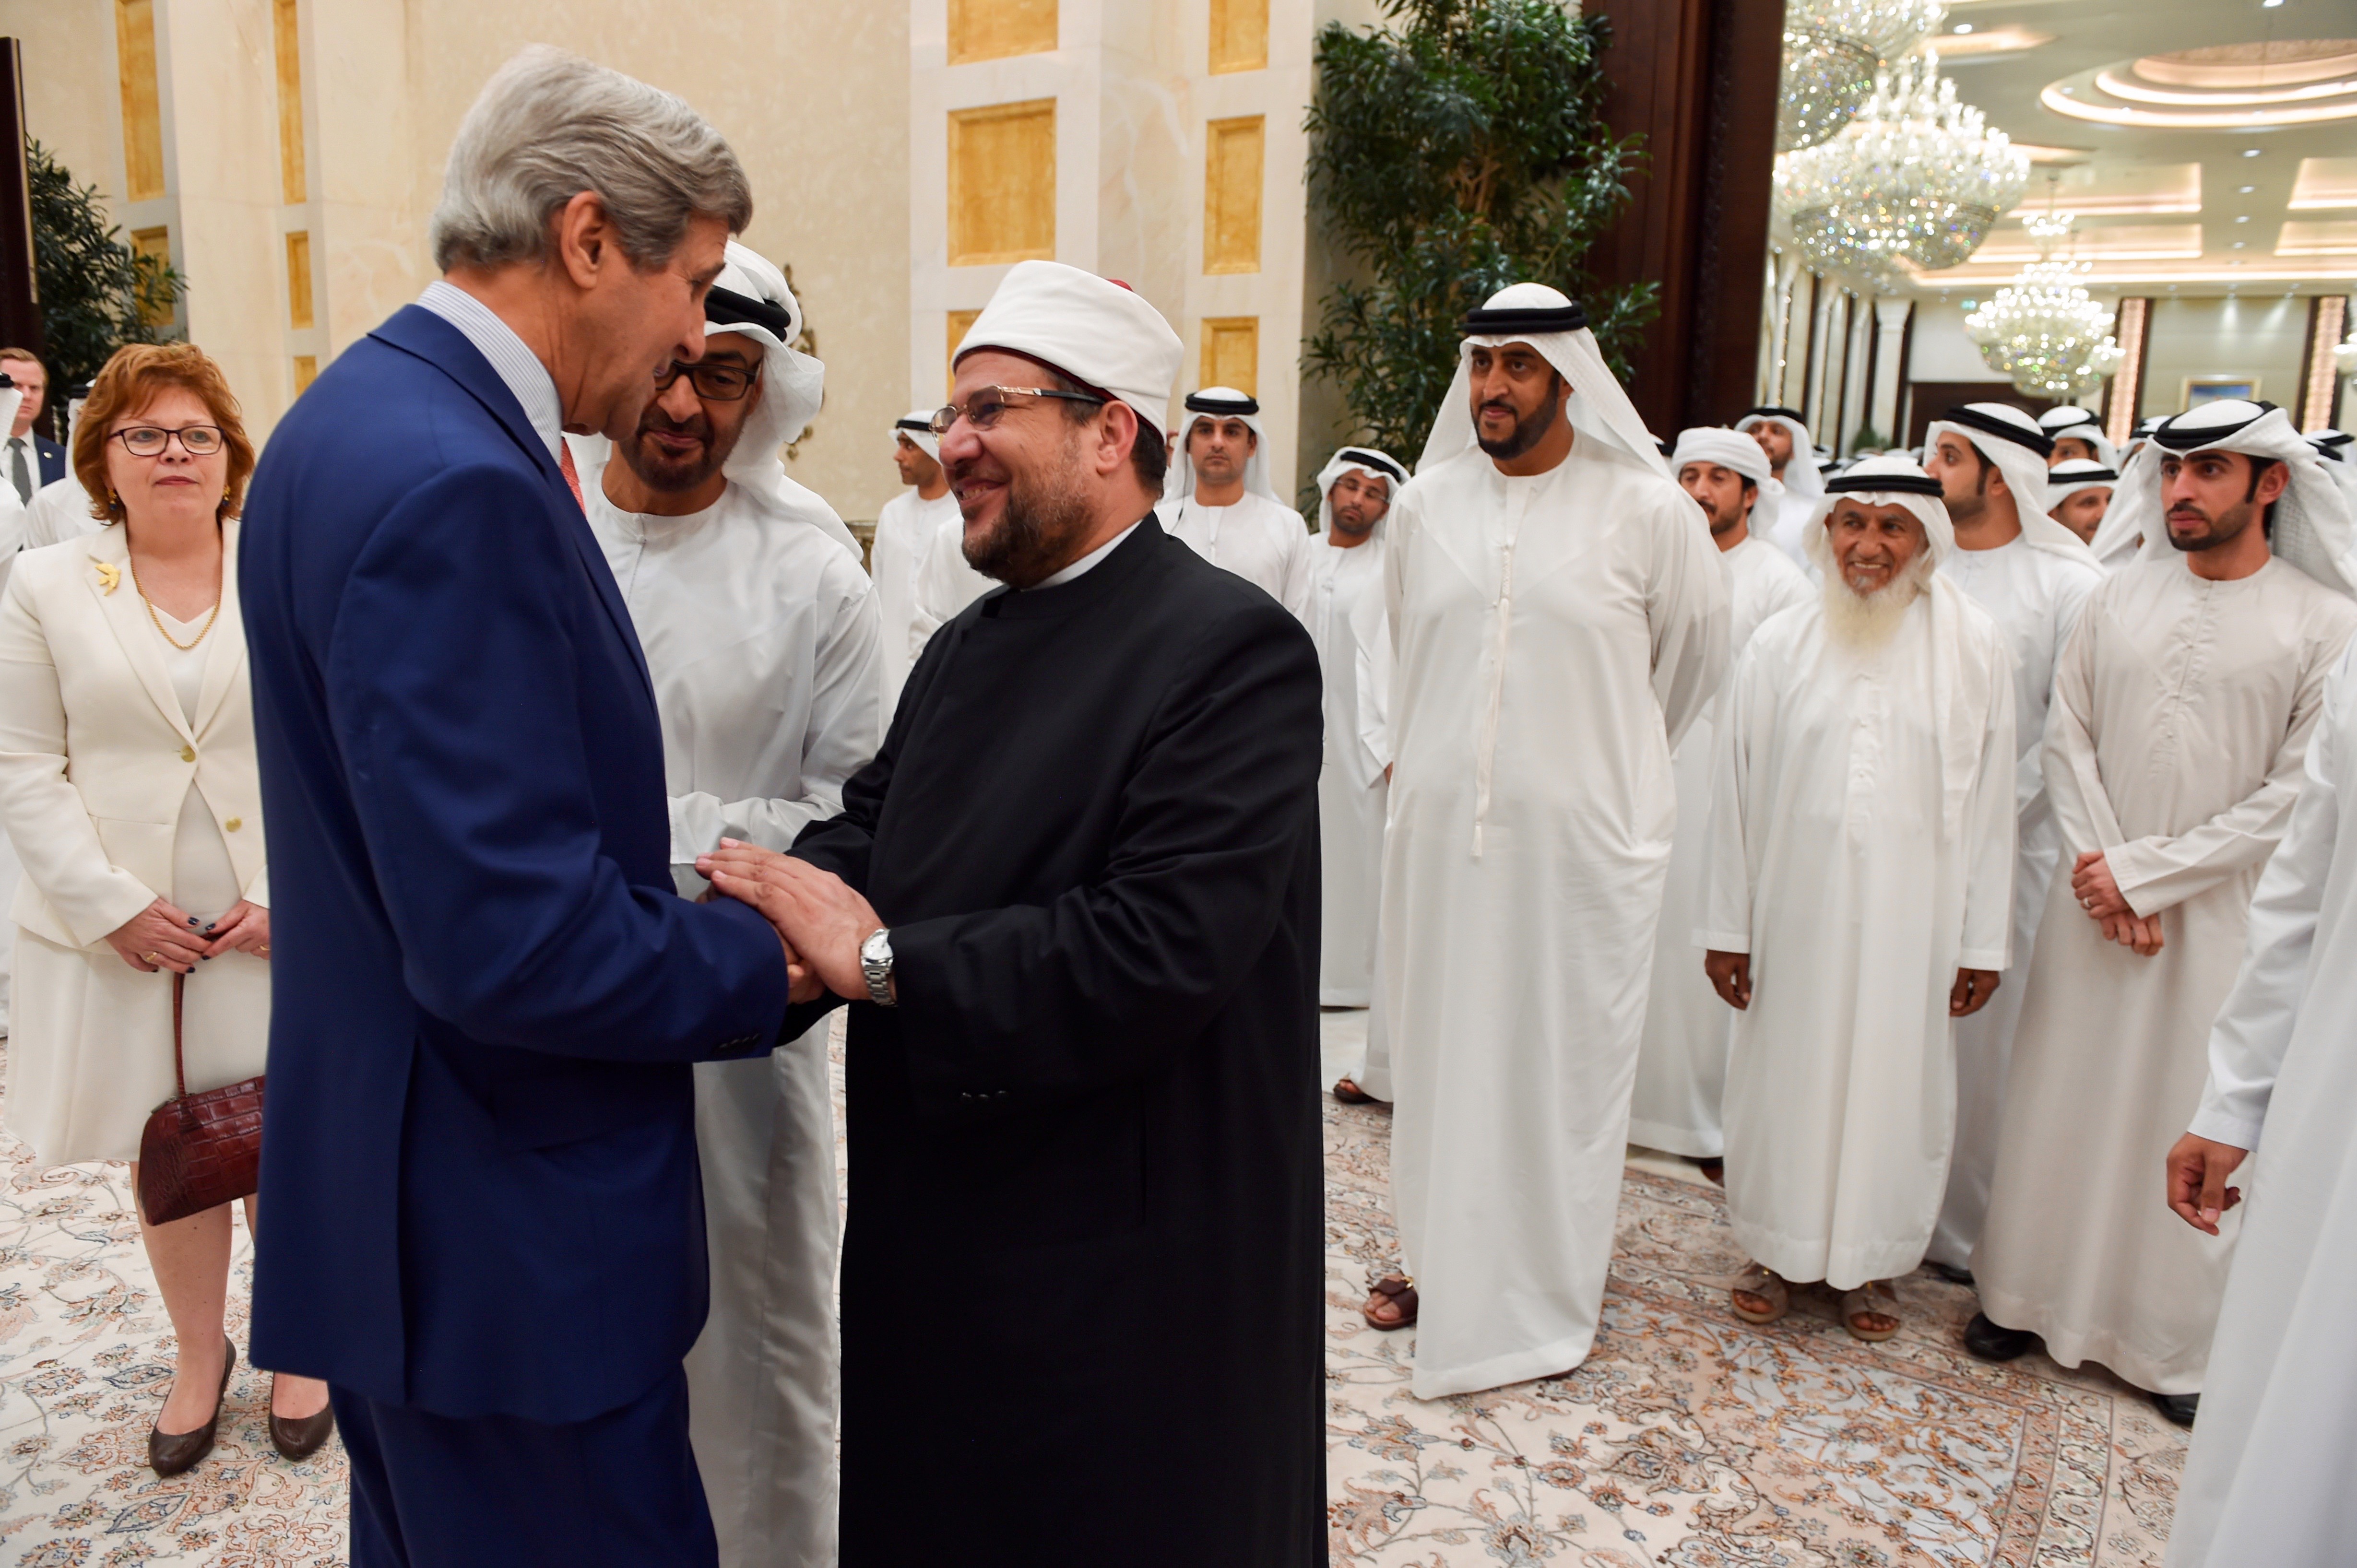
(1348, 1091)
(1400, 1292)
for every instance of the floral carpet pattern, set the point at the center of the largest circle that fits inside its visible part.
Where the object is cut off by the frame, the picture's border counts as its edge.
(1688, 1440)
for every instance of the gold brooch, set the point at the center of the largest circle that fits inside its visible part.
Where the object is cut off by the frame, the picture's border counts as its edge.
(110, 574)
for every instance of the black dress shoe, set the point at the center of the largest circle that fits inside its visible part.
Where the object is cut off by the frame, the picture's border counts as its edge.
(171, 1453)
(1950, 1272)
(298, 1439)
(1992, 1343)
(2178, 1408)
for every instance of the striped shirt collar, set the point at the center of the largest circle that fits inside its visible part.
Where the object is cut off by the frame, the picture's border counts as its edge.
(518, 366)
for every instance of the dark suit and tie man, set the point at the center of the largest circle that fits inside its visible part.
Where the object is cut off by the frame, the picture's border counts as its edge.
(32, 460)
(479, 1155)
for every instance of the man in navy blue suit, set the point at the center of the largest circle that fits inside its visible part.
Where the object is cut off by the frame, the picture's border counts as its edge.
(479, 1161)
(30, 459)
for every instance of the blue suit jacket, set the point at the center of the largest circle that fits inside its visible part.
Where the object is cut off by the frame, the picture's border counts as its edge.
(478, 1151)
(52, 461)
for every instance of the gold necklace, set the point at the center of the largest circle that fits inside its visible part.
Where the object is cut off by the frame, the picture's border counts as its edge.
(184, 647)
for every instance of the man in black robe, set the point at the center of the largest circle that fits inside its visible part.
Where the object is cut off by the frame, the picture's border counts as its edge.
(1074, 901)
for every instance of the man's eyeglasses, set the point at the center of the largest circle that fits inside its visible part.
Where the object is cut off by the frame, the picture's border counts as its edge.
(984, 409)
(149, 440)
(712, 380)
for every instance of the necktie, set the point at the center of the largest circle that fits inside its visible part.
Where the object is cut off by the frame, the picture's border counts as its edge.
(17, 470)
(572, 475)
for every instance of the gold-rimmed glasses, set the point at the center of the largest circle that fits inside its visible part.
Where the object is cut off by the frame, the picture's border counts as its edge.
(987, 404)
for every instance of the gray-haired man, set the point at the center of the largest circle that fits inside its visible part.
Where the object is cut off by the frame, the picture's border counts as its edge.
(480, 1158)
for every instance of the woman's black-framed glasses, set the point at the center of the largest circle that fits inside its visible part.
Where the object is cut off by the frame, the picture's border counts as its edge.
(712, 380)
(984, 408)
(149, 440)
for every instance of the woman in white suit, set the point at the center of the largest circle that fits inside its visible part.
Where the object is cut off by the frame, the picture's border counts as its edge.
(129, 786)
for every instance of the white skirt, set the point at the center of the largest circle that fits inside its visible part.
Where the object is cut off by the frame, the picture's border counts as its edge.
(90, 1047)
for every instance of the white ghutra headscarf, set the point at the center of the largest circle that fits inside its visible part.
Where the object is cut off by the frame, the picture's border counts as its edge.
(1356, 460)
(1550, 323)
(2011, 441)
(1220, 402)
(1803, 478)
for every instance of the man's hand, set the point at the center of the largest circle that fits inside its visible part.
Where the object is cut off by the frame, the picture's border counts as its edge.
(2198, 1169)
(818, 915)
(1730, 976)
(2093, 886)
(2141, 932)
(1972, 992)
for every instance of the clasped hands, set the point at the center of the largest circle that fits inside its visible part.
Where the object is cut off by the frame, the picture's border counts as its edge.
(820, 918)
(163, 936)
(2099, 895)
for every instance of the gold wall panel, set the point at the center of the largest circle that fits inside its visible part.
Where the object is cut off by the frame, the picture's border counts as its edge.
(1232, 353)
(307, 371)
(1231, 181)
(290, 101)
(142, 105)
(959, 320)
(1003, 183)
(994, 29)
(299, 280)
(157, 243)
(1239, 36)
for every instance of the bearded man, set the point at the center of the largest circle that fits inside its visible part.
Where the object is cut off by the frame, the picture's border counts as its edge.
(1682, 1063)
(1559, 618)
(1219, 499)
(2031, 575)
(2174, 753)
(1861, 861)
(1074, 904)
(761, 635)
(1798, 485)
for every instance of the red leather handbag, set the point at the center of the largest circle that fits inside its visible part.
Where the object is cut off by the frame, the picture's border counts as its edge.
(199, 1151)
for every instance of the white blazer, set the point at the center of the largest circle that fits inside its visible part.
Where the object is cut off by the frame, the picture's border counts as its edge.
(95, 754)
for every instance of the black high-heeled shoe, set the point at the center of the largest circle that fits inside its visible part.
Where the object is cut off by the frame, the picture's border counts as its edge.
(171, 1453)
(297, 1438)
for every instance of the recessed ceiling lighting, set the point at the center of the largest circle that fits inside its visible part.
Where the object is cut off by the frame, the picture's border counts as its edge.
(1964, 28)
(2246, 189)
(2253, 152)
(2240, 243)
(2269, 4)
(2245, 218)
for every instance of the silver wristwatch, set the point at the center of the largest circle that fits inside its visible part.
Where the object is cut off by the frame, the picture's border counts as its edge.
(876, 967)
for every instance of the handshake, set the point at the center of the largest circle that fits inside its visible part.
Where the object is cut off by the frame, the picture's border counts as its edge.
(820, 918)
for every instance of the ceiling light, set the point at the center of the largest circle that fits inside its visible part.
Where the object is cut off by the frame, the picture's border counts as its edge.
(2269, 4)
(2253, 152)
(2240, 243)
(2246, 189)
(2245, 218)
(1964, 28)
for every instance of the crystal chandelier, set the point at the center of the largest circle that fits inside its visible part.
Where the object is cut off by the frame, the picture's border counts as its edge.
(1917, 175)
(1832, 50)
(2042, 330)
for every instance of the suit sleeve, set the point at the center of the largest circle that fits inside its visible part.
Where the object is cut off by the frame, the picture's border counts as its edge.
(455, 696)
(1104, 982)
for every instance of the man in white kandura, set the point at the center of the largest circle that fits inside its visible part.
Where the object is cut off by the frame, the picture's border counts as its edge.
(946, 582)
(1799, 484)
(1861, 858)
(1681, 1065)
(2078, 436)
(2031, 575)
(2174, 752)
(906, 527)
(2267, 1478)
(1354, 652)
(2339, 450)
(1218, 499)
(761, 635)
(1559, 618)
(2078, 493)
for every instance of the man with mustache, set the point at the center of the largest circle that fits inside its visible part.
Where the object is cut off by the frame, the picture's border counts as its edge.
(1799, 485)
(1559, 618)
(2174, 754)
(761, 635)
(1219, 499)
(1860, 872)
(1073, 903)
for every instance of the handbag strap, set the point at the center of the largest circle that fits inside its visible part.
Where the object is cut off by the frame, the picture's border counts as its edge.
(179, 1065)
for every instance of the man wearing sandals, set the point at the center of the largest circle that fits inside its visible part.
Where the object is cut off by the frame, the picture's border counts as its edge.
(1858, 896)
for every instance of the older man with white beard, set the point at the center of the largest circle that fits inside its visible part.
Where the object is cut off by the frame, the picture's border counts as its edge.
(2174, 754)
(1682, 1063)
(2031, 575)
(1861, 859)
(1218, 500)
(760, 634)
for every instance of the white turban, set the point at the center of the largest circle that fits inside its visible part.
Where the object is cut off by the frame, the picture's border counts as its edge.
(1727, 448)
(2011, 441)
(917, 424)
(1220, 402)
(1802, 474)
(750, 299)
(2080, 424)
(1356, 460)
(1550, 323)
(1961, 689)
(2314, 527)
(2067, 480)
(1098, 332)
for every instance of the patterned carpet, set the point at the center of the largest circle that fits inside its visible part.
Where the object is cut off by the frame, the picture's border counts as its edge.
(1689, 1440)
